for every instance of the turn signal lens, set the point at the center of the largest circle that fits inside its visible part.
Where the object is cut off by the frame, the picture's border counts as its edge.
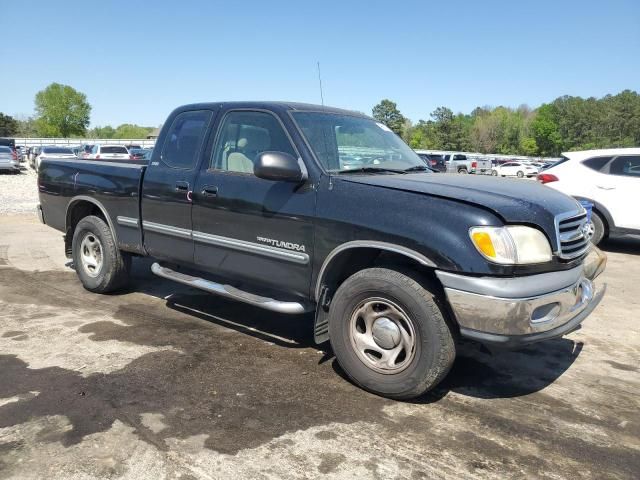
(484, 244)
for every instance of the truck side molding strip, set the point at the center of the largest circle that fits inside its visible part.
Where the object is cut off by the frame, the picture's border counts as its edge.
(166, 229)
(127, 221)
(225, 242)
(267, 251)
(230, 292)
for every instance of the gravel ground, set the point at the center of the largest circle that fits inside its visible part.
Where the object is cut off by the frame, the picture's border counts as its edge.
(19, 193)
(161, 381)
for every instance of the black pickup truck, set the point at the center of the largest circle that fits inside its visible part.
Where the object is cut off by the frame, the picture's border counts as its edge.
(253, 201)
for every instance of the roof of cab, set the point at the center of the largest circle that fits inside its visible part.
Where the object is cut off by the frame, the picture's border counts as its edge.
(274, 106)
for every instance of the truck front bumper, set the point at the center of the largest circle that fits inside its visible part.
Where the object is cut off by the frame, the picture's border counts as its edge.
(517, 311)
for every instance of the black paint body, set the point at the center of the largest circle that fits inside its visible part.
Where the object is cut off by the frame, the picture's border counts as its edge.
(428, 213)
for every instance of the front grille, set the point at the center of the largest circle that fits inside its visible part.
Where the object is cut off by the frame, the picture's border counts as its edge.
(572, 235)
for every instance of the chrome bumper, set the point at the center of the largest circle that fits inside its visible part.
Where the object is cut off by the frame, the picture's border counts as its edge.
(521, 310)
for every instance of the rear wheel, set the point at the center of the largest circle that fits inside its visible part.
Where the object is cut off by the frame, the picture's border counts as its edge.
(462, 170)
(389, 334)
(494, 173)
(520, 174)
(101, 267)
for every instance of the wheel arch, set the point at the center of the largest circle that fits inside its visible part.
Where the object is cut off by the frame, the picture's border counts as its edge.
(80, 207)
(338, 255)
(606, 216)
(351, 257)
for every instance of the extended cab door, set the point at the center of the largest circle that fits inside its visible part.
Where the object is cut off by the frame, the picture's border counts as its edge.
(246, 228)
(168, 184)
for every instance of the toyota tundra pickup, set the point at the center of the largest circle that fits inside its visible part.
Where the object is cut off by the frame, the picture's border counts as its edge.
(252, 201)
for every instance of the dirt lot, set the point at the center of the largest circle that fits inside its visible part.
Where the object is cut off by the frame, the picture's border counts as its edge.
(166, 382)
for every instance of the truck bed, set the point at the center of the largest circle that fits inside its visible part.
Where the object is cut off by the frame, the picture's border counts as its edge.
(112, 186)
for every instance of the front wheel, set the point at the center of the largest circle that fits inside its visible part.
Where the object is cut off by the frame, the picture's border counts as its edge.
(597, 229)
(100, 265)
(389, 334)
(520, 174)
(494, 173)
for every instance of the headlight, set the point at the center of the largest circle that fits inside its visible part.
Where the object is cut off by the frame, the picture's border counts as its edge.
(511, 245)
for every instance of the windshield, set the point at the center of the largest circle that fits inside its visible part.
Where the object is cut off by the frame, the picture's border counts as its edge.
(343, 142)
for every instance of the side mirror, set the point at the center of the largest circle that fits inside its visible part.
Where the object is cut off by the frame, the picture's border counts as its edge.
(278, 166)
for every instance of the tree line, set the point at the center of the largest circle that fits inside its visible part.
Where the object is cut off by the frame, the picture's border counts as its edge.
(566, 123)
(62, 111)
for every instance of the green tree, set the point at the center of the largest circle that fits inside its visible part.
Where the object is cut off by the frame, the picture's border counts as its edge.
(127, 130)
(8, 126)
(528, 146)
(387, 112)
(26, 127)
(102, 132)
(546, 132)
(61, 111)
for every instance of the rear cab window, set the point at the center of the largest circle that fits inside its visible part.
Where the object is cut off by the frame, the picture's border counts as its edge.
(184, 139)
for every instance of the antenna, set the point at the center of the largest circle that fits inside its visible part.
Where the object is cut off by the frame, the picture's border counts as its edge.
(320, 82)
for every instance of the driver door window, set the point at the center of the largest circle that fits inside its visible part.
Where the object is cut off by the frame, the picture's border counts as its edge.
(244, 135)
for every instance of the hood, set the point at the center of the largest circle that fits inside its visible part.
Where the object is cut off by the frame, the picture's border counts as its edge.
(514, 200)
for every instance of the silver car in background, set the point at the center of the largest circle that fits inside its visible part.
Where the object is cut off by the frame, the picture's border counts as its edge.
(9, 160)
(53, 152)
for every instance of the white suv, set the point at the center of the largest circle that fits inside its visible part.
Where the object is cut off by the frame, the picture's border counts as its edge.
(109, 152)
(609, 179)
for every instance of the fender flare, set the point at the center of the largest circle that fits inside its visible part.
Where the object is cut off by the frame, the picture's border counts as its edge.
(84, 198)
(389, 247)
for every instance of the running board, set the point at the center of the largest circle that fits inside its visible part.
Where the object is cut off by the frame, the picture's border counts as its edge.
(229, 292)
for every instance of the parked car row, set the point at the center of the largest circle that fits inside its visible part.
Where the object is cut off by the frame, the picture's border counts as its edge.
(461, 163)
(88, 152)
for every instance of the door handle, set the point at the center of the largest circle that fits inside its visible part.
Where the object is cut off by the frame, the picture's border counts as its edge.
(210, 191)
(182, 186)
(605, 187)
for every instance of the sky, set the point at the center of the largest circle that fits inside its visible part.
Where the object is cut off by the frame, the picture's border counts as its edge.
(136, 61)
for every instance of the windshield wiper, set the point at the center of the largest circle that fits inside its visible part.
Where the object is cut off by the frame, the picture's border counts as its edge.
(417, 168)
(369, 170)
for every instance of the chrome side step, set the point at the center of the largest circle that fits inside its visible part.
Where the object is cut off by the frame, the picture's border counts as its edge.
(229, 292)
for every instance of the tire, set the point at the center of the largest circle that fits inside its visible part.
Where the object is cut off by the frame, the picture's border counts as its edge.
(599, 229)
(520, 174)
(94, 243)
(463, 170)
(414, 371)
(494, 173)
